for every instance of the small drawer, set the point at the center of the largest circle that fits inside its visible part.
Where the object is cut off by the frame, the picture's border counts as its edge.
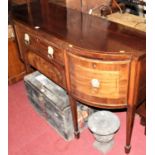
(43, 47)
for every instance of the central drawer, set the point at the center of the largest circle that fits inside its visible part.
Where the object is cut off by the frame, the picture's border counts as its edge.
(47, 47)
(43, 47)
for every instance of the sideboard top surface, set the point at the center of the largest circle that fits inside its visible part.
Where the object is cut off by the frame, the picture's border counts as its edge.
(80, 29)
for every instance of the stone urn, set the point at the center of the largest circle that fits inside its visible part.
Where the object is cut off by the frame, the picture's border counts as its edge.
(103, 125)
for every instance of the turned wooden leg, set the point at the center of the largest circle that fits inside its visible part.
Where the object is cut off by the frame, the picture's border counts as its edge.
(74, 115)
(129, 126)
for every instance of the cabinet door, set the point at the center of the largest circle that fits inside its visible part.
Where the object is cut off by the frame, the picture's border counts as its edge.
(97, 81)
(55, 72)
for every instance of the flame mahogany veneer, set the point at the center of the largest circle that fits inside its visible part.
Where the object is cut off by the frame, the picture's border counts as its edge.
(97, 62)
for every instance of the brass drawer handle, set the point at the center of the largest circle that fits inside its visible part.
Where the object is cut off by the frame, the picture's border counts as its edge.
(50, 52)
(95, 83)
(26, 39)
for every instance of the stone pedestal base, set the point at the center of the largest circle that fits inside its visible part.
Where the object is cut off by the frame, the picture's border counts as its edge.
(103, 147)
(103, 125)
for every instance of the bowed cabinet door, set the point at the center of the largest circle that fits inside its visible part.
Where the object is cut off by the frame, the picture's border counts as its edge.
(99, 82)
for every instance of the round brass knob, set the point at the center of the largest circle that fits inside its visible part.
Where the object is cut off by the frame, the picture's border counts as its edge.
(95, 83)
(26, 39)
(50, 52)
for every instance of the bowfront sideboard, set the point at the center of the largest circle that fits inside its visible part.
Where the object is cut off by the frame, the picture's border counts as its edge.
(98, 62)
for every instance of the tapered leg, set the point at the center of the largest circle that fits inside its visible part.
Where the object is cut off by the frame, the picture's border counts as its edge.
(74, 114)
(129, 127)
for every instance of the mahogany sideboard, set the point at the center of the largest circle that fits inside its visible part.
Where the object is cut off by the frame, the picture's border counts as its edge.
(98, 62)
